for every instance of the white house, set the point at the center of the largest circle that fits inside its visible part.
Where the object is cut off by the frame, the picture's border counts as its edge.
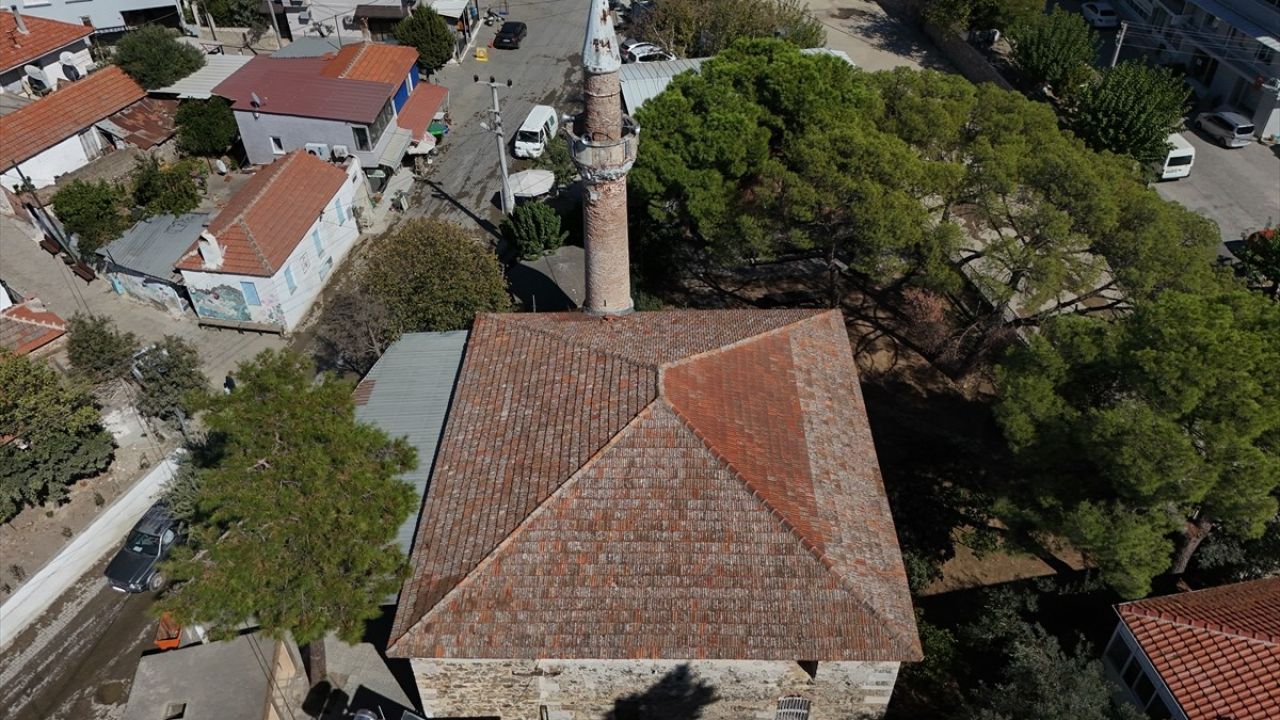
(58, 133)
(263, 260)
(107, 15)
(36, 53)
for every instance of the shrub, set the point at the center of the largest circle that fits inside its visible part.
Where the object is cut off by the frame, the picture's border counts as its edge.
(97, 350)
(155, 57)
(428, 33)
(93, 211)
(1058, 51)
(534, 230)
(161, 190)
(206, 127)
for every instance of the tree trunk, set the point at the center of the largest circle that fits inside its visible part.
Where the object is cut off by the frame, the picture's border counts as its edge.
(1194, 534)
(315, 653)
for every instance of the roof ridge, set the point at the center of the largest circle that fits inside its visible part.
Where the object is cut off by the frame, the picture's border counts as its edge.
(1172, 618)
(355, 58)
(542, 508)
(543, 332)
(274, 172)
(813, 549)
(10, 313)
(739, 343)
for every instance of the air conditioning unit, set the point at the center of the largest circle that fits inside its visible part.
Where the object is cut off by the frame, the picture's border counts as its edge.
(320, 150)
(340, 152)
(304, 17)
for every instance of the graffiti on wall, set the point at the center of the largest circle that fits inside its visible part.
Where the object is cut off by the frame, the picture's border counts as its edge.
(158, 295)
(222, 302)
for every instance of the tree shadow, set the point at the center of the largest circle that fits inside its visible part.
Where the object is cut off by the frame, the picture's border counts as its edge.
(439, 193)
(678, 695)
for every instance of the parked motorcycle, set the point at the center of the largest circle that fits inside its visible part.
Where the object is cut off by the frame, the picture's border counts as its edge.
(491, 17)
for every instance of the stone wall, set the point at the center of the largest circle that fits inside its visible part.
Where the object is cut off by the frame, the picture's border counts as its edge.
(966, 58)
(592, 689)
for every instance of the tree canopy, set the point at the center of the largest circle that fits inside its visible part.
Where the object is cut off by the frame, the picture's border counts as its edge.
(1260, 260)
(295, 509)
(1058, 50)
(93, 211)
(1164, 424)
(98, 351)
(50, 434)
(206, 127)
(1131, 110)
(170, 380)
(702, 28)
(155, 57)
(429, 34)
(164, 189)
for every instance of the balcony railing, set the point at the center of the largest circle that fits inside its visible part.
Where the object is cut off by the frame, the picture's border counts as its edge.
(606, 159)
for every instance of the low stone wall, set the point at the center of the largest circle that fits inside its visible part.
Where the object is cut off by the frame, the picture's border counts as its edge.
(966, 58)
(593, 689)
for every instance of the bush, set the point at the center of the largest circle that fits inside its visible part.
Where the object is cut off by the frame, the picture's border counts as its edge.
(155, 57)
(534, 230)
(557, 159)
(206, 127)
(161, 190)
(429, 34)
(170, 378)
(1058, 51)
(93, 211)
(98, 351)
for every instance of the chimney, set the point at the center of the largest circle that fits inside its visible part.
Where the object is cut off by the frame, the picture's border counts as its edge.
(17, 19)
(603, 144)
(210, 251)
(365, 35)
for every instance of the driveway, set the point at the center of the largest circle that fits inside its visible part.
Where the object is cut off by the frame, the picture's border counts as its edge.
(874, 39)
(1239, 188)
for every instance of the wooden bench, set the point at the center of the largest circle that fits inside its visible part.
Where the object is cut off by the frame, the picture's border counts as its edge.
(50, 246)
(84, 271)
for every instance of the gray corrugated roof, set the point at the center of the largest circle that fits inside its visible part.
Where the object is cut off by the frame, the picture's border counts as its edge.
(313, 46)
(642, 82)
(153, 246)
(407, 394)
(199, 85)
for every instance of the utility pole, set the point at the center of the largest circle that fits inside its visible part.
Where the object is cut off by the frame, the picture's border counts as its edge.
(508, 200)
(1115, 56)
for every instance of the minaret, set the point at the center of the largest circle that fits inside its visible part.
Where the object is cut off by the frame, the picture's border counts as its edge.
(604, 144)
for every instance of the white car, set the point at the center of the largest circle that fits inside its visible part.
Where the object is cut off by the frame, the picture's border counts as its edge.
(645, 52)
(1100, 14)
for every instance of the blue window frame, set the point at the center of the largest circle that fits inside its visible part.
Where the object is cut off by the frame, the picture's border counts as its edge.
(315, 238)
(288, 280)
(325, 267)
(342, 214)
(250, 293)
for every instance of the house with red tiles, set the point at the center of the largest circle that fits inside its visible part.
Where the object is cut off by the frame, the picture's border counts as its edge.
(263, 259)
(1211, 654)
(363, 101)
(37, 53)
(27, 326)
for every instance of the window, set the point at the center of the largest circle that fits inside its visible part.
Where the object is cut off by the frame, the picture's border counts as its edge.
(792, 708)
(250, 293)
(315, 238)
(1132, 672)
(361, 135)
(277, 146)
(1118, 653)
(288, 280)
(380, 123)
(342, 214)
(325, 268)
(1264, 54)
(1144, 689)
(1157, 710)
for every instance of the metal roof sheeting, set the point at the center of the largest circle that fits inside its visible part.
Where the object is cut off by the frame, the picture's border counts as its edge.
(407, 394)
(199, 85)
(641, 82)
(154, 246)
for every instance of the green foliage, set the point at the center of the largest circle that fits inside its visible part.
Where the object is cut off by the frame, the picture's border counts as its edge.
(1229, 558)
(429, 34)
(1059, 50)
(93, 211)
(1260, 260)
(1131, 110)
(534, 230)
(170, 378)
(296, 511)
(1003, 15)
(163, 189)
(433, 276)
(153, 56)
(1127, 431)
(703, 28)
(557, 159)
(245, 14)
(53, 434)
(98, 351)
(206, 127)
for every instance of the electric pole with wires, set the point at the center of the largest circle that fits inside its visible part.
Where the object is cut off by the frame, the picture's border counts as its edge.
(508, 200)
(1115, 56)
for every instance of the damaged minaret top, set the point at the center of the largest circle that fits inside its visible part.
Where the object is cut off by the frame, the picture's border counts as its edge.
(604, 142)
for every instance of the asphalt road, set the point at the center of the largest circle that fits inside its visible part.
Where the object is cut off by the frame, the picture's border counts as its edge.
(77, 661)
(463, 182)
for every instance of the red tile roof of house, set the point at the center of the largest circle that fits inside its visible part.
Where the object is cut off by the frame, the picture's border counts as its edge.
(1217, 650)
(263, 222)
(43, 36)
(685, 484)
(30, 130)
(28, 326)
(423, 104)
(368, 61)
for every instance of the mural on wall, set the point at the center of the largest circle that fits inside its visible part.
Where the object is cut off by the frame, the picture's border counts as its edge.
(155, 294)
(222, 302)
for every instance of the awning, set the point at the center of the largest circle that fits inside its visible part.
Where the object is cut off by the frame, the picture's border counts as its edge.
(397, 144)
(450, 8)
(381, 12)
(532, 183)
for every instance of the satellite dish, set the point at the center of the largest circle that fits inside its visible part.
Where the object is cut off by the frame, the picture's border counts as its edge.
(34, 72)
(67, 58)
(72, 72)
(221, 166)
(254, 100)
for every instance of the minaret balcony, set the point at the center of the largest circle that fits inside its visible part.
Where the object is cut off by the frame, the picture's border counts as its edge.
(599, 160)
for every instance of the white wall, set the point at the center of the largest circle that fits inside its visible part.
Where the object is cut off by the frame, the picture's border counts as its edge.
(44, 169)
(278, 305)
(101, 13)
(52, 66)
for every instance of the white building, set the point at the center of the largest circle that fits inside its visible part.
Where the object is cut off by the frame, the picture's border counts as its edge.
(106, 15)
(36, 53)
(262, 262)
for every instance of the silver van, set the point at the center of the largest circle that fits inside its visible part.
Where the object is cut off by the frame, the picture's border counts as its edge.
(1231, 130)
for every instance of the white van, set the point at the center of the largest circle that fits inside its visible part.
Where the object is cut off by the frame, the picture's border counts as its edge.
(536, 131)
(1177, 162)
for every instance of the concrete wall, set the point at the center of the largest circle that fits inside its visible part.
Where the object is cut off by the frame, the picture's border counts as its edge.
(590, 689)
(968, 60)
(295, 132)
(52, 65)
(221, 296)
(101, 13)
(44, 169)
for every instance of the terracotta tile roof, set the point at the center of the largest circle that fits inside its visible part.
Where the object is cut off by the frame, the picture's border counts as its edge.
(268, 217)
(424, 102)
(1217, 650)
(43, 37)
(28, 131)
(368, 61)
(688, 484)
(28, 326)
(148, 122)
(296, 86)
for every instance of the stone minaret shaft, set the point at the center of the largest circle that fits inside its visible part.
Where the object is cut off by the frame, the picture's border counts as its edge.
(604, 147)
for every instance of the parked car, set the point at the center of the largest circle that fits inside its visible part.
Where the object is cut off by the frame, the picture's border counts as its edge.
(1231, 130)
(643, 52)
(133, 569)
(1178, 160)
(1100, 14)
(536, 131)
(510, 35)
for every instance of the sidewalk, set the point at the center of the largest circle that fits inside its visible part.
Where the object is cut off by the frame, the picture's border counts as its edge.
(48, 584)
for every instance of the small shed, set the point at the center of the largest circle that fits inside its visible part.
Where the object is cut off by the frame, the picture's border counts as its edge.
(141, 262)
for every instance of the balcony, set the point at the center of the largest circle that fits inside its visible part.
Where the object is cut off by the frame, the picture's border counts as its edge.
(599, 160)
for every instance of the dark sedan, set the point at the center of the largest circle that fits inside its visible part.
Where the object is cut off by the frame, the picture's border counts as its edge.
(510, 35)
(133, 569)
